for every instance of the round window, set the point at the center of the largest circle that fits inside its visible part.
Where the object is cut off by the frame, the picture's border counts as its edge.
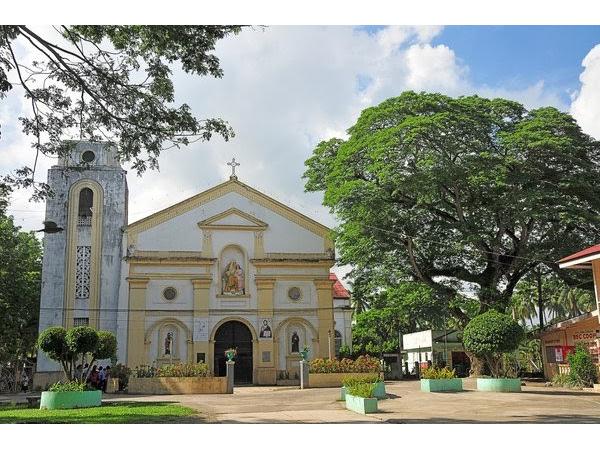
(294, 293)
(170, 293)
(88, 156)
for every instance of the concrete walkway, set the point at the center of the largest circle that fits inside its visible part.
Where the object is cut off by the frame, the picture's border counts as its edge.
(407, 404)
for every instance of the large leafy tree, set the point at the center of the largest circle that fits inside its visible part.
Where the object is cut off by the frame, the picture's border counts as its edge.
(401, 308)
(20, 281)
(108, 82)
(462, 194)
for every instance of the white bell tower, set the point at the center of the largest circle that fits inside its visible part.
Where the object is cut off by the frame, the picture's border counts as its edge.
(82, 263)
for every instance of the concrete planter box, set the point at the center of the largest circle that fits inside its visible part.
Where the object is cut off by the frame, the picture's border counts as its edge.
(70, 400)
(361, 405)
(379, 391)
(333, 379)
(499, 384)
(177, 385)
(441, 385)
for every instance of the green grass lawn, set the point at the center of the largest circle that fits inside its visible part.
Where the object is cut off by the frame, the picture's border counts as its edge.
(109, 412)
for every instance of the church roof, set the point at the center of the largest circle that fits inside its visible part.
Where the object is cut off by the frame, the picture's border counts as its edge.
(231, 185)
(339, 291)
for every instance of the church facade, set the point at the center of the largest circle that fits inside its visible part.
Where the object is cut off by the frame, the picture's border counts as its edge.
(227, 268)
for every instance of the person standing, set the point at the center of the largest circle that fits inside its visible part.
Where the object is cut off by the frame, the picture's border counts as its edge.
(106, 378)
(24, 381)
(101, 377)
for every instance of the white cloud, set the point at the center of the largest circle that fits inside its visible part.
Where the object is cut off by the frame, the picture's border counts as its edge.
(586, 104)
(284, 90)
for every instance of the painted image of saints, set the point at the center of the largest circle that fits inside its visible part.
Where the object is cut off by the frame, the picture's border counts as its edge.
(233, 279)
(265, 330)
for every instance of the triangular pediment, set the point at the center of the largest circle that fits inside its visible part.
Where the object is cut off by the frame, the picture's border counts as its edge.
(236, 186)
(233, 219)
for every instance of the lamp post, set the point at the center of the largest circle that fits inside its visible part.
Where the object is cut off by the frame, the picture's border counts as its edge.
(329, 342)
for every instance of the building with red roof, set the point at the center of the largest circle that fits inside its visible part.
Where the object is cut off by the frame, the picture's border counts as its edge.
(560, 339)
(342, 314)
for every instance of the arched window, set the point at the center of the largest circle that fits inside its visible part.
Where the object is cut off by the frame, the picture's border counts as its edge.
(86, 202)
(338, 342)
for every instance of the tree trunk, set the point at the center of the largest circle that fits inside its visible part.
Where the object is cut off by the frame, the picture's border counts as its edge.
(478, 366)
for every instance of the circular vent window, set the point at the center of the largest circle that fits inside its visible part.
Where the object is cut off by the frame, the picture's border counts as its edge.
(294, 293)
(88, 156)
(170, 293)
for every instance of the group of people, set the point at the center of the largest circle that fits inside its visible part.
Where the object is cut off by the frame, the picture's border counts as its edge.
(97, 377)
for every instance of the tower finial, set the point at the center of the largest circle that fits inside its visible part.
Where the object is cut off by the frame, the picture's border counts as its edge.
(233, 165)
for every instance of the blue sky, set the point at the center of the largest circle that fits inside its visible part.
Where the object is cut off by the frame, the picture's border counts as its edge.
(512, 56)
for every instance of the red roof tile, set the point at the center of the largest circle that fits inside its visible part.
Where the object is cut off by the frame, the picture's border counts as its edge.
(339, 291)
(581, 254)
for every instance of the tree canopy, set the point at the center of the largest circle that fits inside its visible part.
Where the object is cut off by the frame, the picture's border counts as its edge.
(70, 347)
(462, 194)
(111, 83)
(20, 283)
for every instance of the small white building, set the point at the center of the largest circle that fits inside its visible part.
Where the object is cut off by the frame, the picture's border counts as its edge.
(441, 348)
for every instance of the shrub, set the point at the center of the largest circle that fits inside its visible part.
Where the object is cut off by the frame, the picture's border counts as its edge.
(145, 371)
(347, 381)
(72, 346)
(183, 370)
(360, 389)
(68, 386)
(172, 370)
(363, 364)
(490, 335)
(434, 373)
(345, 352)
(582, 368)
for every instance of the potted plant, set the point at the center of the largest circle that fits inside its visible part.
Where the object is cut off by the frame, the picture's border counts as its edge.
(378, 384)
(304, 353)
(70, 348)
(490, 336)
(440, 380)
(360, 396)
(230, 353)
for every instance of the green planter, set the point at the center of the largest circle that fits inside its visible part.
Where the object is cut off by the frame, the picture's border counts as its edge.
(343, 393)
(499, 384)
(379, 391)
(441, 385)
(70, 400)
(361, 405)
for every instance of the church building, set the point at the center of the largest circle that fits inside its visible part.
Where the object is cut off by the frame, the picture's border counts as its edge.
(229, 267)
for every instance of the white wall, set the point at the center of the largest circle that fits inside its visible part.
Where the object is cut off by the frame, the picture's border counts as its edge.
(182, 233)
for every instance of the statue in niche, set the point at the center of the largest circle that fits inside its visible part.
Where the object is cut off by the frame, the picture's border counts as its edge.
(295, 342)
(169, 343)
(233, 279)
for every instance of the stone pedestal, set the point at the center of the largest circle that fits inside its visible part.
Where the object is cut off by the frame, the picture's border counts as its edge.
(230, 367)
(304, 374)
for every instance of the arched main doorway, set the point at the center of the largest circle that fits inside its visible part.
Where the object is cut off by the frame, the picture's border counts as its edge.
(234, 334)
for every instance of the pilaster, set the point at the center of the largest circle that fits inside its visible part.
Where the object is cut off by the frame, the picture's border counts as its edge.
(136, 322)
(265, 357)
(200, 344)
(325, 328)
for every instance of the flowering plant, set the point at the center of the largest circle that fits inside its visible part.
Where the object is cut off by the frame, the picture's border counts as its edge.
(230, 353)
(362, 364)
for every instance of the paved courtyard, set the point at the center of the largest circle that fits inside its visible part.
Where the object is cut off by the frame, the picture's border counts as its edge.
(254, 404)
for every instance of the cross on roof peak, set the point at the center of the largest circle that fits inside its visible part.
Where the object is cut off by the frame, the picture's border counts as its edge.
(233, 163)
